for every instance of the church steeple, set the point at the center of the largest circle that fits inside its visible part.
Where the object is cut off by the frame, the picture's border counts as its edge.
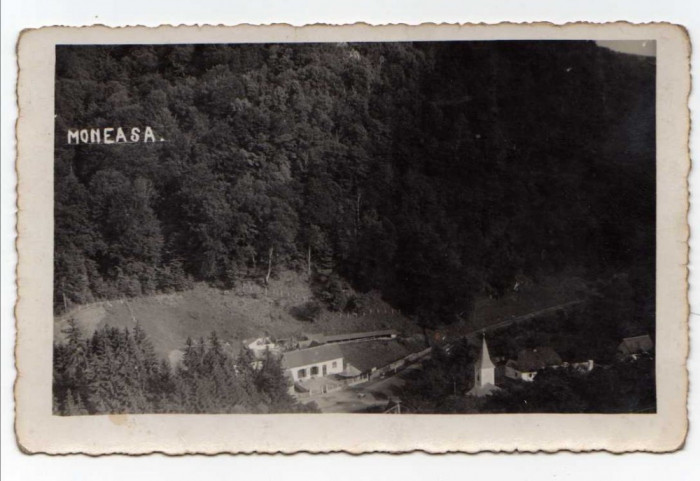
(484, 373)
(484, 368)
(484, 361)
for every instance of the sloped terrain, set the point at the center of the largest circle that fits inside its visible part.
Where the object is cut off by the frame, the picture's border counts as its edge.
(249, 310)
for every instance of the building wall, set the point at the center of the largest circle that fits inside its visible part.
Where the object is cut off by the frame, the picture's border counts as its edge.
(485, 376)
(351, 381)
(584, 366)
(521, 376)
(333, 366)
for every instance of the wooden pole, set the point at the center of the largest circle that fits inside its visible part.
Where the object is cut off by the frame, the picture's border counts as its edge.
(63, 294)
(309, 260)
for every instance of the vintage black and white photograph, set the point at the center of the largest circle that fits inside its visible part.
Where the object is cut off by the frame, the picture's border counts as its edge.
(437, 238)
(454, 227)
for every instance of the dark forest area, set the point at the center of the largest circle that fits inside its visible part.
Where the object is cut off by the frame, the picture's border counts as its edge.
(617, 387)
(431, 172)
(117, 371)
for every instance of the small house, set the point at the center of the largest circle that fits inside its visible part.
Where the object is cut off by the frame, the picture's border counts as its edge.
(260, 345)
(581, 366)
(311, 340)
(633, 347)
(530, 361)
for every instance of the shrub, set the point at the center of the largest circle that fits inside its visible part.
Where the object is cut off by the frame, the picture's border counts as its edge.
(308, 312)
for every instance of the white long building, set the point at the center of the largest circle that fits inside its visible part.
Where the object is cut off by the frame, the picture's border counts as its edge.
(313, 362)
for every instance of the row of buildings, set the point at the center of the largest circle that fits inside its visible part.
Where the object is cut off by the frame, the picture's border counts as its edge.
(318, 363)
(530, 362)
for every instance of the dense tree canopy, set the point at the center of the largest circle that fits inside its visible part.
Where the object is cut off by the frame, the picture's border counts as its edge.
(430, 171)
(117, 371)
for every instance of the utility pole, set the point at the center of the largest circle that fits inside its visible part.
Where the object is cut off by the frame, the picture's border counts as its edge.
(63, 294)
(308, 261)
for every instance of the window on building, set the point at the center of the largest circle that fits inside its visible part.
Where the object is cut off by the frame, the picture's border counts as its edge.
(301, 373)
(334, 364)
(314, 371)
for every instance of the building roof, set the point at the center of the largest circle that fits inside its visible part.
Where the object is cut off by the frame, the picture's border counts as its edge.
(350, 371)
(359, 335)
(636, 345)
(484, 360)
(368, 355)
(312, 355)
(530, 360)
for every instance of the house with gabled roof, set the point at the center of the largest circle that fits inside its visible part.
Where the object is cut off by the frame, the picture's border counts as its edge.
(530, 362)
(260, 345)
(319, 361)
(633, 347)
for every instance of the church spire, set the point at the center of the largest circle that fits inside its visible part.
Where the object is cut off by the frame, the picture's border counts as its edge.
(484, 361)
(484, 373)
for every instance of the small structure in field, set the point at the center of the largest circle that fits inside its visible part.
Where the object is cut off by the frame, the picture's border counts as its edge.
(260, 345)
(311, 340)
(484, 374)
(530, 361)
(581, 366)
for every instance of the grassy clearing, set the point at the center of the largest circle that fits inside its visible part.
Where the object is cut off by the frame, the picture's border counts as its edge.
(249, 310)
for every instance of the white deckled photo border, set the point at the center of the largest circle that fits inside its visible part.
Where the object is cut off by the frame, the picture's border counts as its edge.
(40, 431)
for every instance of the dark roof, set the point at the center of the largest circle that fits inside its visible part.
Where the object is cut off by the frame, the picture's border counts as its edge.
(376, 354)
(636, 345)
(359, 335)
(530, 360)
(312, 355)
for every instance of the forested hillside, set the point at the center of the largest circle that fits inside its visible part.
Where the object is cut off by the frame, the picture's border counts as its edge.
(117, 371)
(431, 172)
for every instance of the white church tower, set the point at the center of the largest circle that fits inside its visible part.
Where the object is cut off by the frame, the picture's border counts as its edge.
(484, 368)
(484, 373)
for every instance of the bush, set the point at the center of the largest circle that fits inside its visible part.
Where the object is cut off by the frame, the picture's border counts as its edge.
(172, 277)
(307, 312)
(355, 303)
(330, 290)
